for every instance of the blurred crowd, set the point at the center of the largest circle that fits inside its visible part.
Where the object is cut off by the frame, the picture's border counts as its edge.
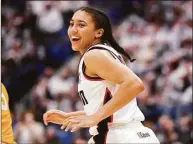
(39, 68)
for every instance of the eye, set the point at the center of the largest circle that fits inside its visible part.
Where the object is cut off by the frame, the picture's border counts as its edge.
(71, 24)
(81, 25)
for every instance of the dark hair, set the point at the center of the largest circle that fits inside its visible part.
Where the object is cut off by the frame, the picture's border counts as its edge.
(102, 21)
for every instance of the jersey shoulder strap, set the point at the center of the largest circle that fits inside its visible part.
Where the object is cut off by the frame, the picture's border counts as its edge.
(112, 51)
(104, 47)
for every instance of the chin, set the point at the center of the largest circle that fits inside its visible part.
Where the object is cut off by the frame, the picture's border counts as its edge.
(75, 48)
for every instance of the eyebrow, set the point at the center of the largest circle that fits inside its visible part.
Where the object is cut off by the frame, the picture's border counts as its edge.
(78, 21)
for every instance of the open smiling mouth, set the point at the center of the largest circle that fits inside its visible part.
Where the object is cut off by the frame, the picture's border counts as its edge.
(75, 39)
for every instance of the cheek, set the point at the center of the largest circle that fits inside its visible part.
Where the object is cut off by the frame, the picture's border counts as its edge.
(88, 37)
(68, 32)
(86, 41)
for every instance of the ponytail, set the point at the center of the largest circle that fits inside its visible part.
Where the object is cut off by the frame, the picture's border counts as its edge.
(108, 36)
(102, 21)
(118, 48)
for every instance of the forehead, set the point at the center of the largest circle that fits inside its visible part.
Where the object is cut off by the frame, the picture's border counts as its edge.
(82, 16)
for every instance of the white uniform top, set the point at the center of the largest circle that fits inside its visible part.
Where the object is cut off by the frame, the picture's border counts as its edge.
(95, 92)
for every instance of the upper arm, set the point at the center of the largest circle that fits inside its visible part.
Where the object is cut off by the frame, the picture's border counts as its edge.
(105, 66)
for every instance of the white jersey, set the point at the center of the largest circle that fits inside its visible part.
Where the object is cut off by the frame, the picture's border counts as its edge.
(95, 92)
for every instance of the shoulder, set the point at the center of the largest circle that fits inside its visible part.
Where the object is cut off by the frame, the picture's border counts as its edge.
(4, 91)
(102, 47)
(99, 50)
(96, 56)
(2, 86)
(4, 98)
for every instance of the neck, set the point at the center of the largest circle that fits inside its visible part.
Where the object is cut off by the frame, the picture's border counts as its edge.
(93, 43)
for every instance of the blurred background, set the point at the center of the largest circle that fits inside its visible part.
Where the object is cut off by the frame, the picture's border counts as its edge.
(39, 69)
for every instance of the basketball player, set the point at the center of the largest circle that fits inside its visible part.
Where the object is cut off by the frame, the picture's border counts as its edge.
(107, 87)
(6, 122)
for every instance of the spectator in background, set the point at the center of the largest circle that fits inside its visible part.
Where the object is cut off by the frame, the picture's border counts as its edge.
(185, 129)
(168, 133)
(79, 141)
(41, 94)
(27, 130)
(60, 87)
(51, 136)
(61, 83)
(50, 20)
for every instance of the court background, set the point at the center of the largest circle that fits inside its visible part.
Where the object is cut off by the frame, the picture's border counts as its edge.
(39, 69)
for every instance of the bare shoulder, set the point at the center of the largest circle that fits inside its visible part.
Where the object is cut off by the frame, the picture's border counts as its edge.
(101, 63)
(96, 56)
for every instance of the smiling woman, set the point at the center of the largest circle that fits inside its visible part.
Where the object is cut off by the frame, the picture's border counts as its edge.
(107, 87)
(81, 31)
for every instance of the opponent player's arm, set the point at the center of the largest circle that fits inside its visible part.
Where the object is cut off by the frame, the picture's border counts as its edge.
(106, 67)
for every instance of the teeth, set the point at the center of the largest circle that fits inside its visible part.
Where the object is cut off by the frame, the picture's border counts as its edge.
(75, 38)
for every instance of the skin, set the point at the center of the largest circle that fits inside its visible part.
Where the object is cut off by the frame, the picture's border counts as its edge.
(102, 64)
(82, 26)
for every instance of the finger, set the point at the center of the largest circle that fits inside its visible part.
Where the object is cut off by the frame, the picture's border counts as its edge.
(49, 120)
(45, 119)
(72, 117)
(64, 124)
(77, 127)
(47, 114)
(74, 121)
(68, 126)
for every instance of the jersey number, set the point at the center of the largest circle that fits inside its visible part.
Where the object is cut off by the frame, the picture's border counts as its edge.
(82, 97)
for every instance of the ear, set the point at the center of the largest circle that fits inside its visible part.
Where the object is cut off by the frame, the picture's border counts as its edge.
(99, 33)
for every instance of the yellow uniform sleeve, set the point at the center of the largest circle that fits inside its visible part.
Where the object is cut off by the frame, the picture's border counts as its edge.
(6, 122)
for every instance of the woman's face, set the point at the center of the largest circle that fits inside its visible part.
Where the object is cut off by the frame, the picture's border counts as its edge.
(82, 32)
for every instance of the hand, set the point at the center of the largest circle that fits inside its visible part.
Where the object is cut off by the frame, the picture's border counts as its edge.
(55, 116)
(84, 121)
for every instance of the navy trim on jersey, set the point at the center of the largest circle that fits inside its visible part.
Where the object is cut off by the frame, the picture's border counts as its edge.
(112, 53)
(101, 48)
(89, 77)
(82, 97)
(99, 78)
(102, 128)
(84, 66)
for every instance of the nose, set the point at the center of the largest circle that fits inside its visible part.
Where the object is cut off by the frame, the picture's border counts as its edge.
(74, 29)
